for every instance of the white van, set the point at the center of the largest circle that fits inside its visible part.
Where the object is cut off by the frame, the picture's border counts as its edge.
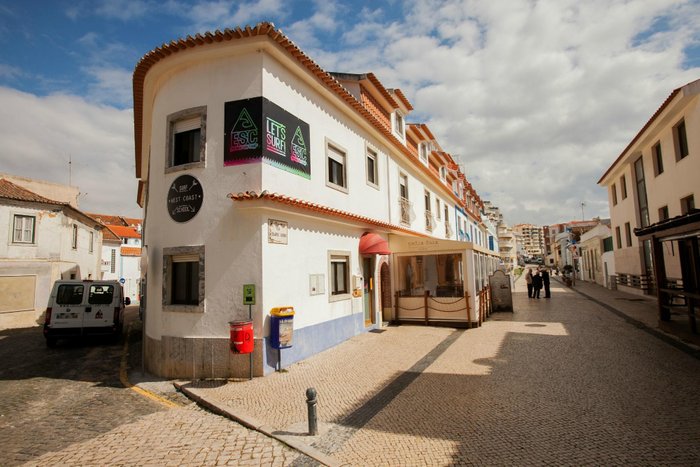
(80, 308)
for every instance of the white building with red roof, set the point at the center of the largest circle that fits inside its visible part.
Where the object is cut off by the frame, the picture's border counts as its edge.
(121, 252)
(258, 167)
(47, 240)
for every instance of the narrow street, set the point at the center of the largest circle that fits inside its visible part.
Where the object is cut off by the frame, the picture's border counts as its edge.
(561, 381)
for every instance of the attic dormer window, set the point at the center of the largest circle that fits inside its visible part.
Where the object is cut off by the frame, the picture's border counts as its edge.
(424, 149)
(443, 173)
(399, 125)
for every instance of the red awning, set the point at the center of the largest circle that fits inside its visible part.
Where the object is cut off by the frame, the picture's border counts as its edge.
(373, 244)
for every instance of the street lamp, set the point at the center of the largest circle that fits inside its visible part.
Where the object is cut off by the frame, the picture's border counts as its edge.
(583, 218)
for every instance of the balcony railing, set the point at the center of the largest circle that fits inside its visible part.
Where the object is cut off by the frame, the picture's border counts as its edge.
(405, 206)
(429, 221)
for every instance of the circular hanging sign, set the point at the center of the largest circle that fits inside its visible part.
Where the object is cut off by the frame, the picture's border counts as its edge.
(185, 198)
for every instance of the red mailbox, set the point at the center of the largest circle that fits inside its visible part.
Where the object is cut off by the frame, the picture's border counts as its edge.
(242, 339)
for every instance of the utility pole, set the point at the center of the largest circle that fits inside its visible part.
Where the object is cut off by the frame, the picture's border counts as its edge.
(583, 218)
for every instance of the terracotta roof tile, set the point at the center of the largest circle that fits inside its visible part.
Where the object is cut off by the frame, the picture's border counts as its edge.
(124, 232)
(9, 190)
(131, 251)
(325, 210)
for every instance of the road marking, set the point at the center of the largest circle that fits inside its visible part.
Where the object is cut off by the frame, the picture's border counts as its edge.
(124, 378)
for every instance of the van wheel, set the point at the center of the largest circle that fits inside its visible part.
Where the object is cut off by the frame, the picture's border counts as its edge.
(50, 342)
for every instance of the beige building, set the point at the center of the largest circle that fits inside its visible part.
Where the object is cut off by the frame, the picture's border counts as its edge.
(532, 238)
(653, 179)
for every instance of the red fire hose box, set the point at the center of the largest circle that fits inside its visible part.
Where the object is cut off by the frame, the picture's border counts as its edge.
(242, 339)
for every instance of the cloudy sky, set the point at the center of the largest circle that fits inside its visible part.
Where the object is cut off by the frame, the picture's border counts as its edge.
(536, 98)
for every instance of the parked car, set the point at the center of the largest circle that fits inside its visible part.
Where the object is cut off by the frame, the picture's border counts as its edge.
(82, 308)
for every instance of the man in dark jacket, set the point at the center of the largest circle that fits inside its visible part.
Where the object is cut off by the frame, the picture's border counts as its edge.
(545, 282)
(536, 285)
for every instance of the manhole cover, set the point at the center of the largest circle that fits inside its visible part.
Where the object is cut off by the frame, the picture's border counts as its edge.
(377, 331)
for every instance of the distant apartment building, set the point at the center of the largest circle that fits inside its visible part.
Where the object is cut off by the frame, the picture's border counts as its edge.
(507, 247)
(654, 179)
(565, 243)
(47, 240)
(531, 238)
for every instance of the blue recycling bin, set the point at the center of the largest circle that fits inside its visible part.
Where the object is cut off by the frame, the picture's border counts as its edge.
(281, 327)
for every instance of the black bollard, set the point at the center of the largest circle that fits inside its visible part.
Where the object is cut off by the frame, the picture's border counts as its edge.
(311, 403)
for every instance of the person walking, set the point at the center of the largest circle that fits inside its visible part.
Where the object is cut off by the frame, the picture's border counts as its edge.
(536, 285)
(545, 283)
(528, 281)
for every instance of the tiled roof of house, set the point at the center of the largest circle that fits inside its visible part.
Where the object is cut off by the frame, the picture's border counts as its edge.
(131, 251)
(9, 190)
(124, 232)
(109, 219)
(324, 210)
(109, 235)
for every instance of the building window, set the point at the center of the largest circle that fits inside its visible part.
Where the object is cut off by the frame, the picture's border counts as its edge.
(642, 201)
(399, 124)
(92, 242)
(618, 237)
(623, 187)
(372, 171)
(613, 192)
(628, 233)
(687, 204)
(23, 229)
(680, 140)
(187, 138)
(336, 175)
(658, 159)
(113, 265)
(403, 199)
(443, 173)
(183, 279)
(424, 150)
(74, 240)
(339, 275)
(428, 212)
(437, 207)
(663, 213)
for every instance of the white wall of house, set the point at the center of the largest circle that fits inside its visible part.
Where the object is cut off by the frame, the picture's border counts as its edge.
(50, 257)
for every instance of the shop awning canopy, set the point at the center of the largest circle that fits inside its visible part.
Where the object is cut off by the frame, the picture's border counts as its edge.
(373, 244)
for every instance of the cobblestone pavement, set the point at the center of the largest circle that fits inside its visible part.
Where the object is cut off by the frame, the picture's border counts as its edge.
(184, 436)
(52, 398)
(67, 406)
(561, 381)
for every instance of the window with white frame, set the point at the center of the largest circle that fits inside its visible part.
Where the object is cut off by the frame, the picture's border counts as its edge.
(23, 229)
(437, 207)
(443, 173)
(336, 170)
(404, 203)
(92, 242)
(183, 279)
(399, 125)
(372, 169)
(74, 240)
(339, 275)
(187, 138)
(428, 212)
(424, 150)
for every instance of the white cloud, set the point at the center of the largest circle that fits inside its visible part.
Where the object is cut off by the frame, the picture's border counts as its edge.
(110, 85)
(124, 10)
(537, 98)
(40, 134)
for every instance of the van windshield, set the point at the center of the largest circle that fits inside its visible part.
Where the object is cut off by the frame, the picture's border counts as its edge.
(69, 294)
(101, 294)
